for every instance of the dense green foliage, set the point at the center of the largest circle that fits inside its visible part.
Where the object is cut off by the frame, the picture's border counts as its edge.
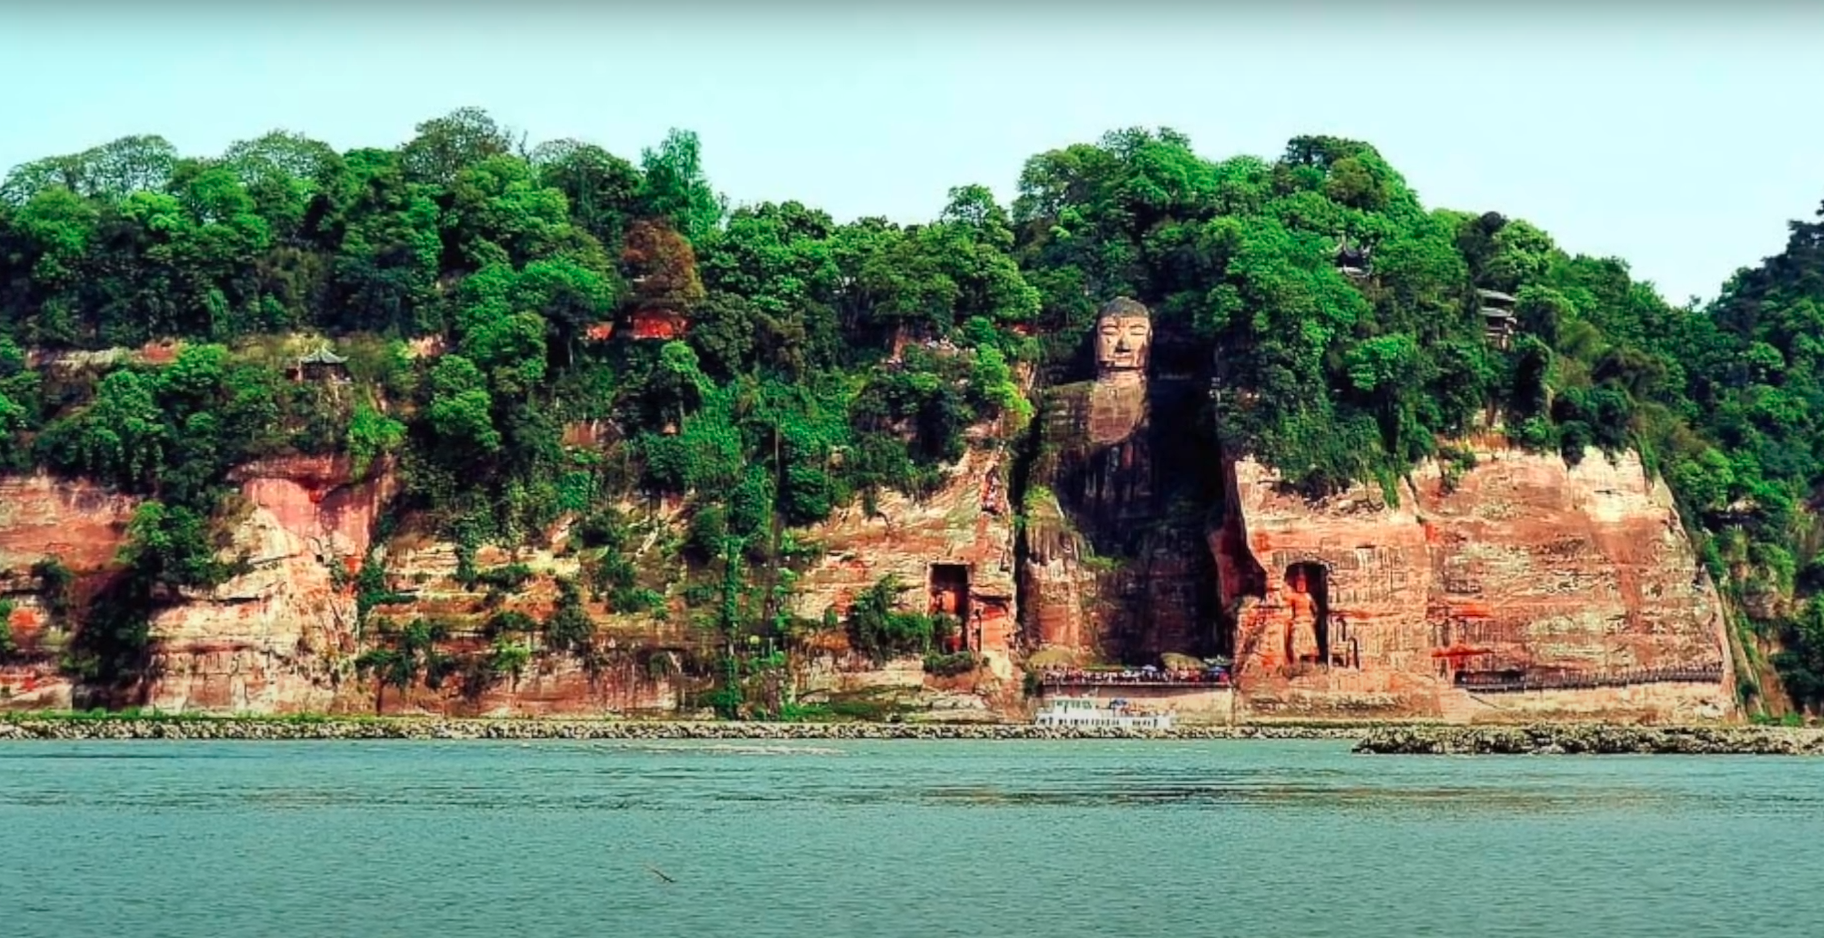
(8, 645)
(1751, 369)
(469, 283)
(1332, 380)
(880, 628)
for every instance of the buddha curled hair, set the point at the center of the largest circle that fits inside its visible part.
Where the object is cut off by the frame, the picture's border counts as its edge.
(1123, 307)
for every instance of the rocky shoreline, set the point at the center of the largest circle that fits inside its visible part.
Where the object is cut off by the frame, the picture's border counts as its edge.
(430, 728)
(1592, 739)
(1407, 739)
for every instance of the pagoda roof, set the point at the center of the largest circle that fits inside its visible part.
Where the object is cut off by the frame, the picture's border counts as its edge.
(322, 356)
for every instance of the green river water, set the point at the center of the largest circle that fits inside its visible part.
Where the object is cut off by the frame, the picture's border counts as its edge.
(897, 838)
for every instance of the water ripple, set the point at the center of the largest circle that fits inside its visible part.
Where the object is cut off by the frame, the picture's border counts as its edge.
(893, 839)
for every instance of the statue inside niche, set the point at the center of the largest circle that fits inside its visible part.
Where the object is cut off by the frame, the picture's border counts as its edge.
(1301, 631)
(1097, 458)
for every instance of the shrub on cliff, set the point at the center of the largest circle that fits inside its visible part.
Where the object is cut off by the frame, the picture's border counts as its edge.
(401, 655)
(950, 665)
(570, 627)
(8, 645)
(880, 630)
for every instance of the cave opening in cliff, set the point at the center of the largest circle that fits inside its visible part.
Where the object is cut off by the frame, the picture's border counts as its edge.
(1308, 594)
(950, 594)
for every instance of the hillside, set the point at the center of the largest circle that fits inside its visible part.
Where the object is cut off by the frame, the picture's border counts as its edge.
(619, 399)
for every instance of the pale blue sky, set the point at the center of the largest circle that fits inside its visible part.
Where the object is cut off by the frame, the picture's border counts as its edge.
(1680, 140)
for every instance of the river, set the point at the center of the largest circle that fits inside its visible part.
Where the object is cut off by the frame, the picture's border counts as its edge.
(898, 838)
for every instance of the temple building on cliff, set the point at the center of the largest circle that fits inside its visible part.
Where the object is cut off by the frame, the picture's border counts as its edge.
(320, 366)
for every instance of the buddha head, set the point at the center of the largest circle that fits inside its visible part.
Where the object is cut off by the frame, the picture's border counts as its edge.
(1124, 334)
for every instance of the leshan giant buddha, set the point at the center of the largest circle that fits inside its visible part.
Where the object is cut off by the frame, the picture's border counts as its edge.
(1093, 493)
(1117, 399)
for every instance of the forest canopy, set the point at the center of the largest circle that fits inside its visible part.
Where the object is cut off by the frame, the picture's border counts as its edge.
(767, 363)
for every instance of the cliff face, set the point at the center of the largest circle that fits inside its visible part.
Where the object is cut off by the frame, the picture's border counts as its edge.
(279, 637)
(1574, 583)
(639, 660)
(954, 550)
(80, 523)
(77, 524)
(282, 637)
(1519, 586)
(274, 639)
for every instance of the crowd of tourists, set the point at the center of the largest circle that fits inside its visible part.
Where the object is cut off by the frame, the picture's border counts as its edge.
(1147, 675)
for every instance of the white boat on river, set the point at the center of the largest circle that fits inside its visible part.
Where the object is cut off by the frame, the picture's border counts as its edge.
(1089, 712)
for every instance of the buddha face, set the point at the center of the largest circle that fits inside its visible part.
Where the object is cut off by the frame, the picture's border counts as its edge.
(1123, 337)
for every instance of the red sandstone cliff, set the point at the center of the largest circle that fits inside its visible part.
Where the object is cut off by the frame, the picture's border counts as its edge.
(279, 637)
(1522, 569)
(81, 526)
(639, 659)
(952, 549)
(79, 523)
(1523, 565)
(283, 636)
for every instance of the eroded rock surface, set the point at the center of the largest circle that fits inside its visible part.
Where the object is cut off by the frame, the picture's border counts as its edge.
(1519, 588)
(1575, 582)
(80, 523)
(953, 550)
(81, 526)
(281, 636)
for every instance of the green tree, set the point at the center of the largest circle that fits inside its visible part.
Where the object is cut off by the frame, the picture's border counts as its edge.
(405, 655)
(674, 185)
(570, 627)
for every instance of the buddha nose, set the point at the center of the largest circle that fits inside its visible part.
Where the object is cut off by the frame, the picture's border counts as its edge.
(1121, 345)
